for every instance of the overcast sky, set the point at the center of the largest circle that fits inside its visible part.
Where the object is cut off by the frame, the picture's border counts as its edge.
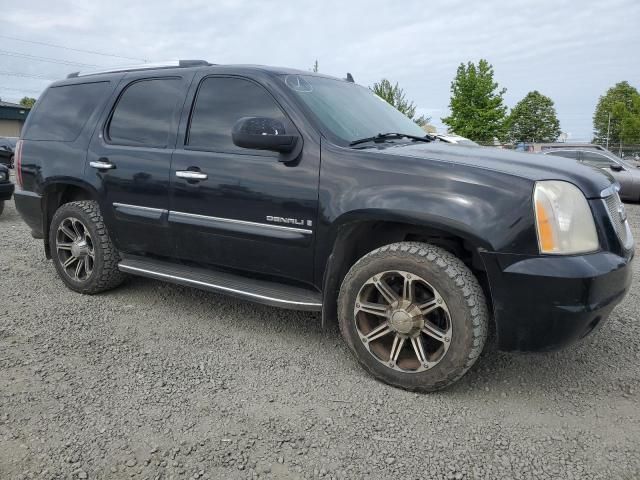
(571, 51)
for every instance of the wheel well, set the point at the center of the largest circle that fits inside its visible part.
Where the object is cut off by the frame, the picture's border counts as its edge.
(356, 240)
(55, 196)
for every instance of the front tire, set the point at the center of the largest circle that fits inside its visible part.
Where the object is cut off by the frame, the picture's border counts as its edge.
(414, 315)
(82, 252)
(1, 206)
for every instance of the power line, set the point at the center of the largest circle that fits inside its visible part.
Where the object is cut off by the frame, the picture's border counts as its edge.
(93, 52)
(9, 53)
(24, 90)
(24, 75)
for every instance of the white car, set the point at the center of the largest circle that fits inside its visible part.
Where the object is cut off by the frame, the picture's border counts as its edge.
(458, 140)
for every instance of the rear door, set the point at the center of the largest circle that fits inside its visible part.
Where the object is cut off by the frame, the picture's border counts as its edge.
(130, 157)
(236, 207)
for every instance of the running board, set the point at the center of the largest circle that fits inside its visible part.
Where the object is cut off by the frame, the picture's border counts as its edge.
(261, 291)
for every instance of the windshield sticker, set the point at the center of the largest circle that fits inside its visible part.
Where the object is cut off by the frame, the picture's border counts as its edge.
(298, 83)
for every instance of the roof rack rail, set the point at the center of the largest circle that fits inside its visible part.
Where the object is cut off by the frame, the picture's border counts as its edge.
(144, 66)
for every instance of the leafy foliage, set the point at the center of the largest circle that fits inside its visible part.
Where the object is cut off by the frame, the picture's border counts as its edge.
(533, 119)
(477, 108)
(27, 102)
(621, 101)
(395, 96)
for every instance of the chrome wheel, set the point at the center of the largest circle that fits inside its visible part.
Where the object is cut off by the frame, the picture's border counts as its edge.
(74, 248)
(403, 321)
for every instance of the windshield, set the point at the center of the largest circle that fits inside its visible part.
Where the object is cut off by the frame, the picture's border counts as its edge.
(349, 111)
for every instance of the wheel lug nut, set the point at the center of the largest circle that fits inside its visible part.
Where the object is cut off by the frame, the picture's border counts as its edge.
(439, 300)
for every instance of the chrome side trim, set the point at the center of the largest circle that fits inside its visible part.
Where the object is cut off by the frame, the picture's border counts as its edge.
(138, 207)
(242, 222)
(128, 268)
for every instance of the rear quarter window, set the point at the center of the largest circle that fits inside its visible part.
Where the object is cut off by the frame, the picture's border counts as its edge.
(63, 111)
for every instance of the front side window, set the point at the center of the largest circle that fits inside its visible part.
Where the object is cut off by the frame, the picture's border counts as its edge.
(596, 159)
(349, 111)
(220, 103)
(145, 113)
(573, 154)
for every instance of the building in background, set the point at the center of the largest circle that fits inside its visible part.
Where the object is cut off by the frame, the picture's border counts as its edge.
(12, 117)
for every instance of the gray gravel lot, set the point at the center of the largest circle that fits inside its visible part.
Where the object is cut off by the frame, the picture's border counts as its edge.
(158, 381)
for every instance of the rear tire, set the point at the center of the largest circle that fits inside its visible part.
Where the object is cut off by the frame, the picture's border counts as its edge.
(82, 252)
(414, 315)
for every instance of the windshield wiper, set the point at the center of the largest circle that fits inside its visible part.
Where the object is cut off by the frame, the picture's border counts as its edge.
(381, 137)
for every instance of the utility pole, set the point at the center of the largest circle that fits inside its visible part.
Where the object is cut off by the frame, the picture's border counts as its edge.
(608, 130)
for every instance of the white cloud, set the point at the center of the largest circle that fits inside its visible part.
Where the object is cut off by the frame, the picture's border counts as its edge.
(570, 50)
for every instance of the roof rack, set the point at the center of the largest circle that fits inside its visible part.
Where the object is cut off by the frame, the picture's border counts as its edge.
(144, 66)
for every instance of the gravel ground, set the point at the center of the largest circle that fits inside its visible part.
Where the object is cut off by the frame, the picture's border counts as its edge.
(158, 381)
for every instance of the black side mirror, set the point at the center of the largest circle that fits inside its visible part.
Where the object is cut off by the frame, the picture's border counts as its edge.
(263, 133)
(615, 167)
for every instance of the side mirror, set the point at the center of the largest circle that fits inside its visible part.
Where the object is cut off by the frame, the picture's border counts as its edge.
(616, 167)
(263, 133)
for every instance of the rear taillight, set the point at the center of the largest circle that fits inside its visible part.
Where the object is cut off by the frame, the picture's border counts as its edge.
(18, 163)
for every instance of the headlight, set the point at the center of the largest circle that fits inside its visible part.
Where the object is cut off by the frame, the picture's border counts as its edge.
(564, 220)
(2, 176)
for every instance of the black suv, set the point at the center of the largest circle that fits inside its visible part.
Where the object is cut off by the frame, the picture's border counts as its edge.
(308, 192)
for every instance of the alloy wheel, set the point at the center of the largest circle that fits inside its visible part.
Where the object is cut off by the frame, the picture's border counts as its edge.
(403, 321)
(75, 250)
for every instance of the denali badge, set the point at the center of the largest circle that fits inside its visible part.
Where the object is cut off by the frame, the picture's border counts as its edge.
(292, 221)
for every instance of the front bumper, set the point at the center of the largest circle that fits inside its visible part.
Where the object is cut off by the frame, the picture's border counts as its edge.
(6, 190)
(545, 302)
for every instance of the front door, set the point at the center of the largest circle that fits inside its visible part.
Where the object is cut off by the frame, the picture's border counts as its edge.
(129, 161)
(235, 207)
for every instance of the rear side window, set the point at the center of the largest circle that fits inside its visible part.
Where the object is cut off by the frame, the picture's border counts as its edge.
(220, 103)
(63, 111)
(145, 113)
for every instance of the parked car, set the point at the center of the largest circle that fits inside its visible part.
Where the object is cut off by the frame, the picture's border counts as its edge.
(625, 173)
(7, 147)
(6, 187)
(305, 191)
(456, 139)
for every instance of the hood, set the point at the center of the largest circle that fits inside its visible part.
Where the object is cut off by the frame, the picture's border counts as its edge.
(531, 166)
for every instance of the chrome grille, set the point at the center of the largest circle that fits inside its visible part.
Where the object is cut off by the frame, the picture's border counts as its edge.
(615, 207)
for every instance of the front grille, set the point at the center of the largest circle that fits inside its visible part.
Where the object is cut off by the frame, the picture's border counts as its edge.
(614, 207)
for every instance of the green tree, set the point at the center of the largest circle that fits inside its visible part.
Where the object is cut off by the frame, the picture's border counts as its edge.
(533, 119)
(477, 108)
(395, 96)
(629, 120)
(27, 102)
(618, 102)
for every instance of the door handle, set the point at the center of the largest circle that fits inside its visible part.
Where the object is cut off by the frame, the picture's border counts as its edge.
(102, 164)
(191, 175)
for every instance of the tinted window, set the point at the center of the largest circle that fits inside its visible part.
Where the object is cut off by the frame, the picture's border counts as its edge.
(565, 153)
(63, 111)
(220, 103)
(596, 159)
(145, 112)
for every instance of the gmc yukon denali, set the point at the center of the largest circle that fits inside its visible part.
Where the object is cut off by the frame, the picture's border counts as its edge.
(304, 191)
